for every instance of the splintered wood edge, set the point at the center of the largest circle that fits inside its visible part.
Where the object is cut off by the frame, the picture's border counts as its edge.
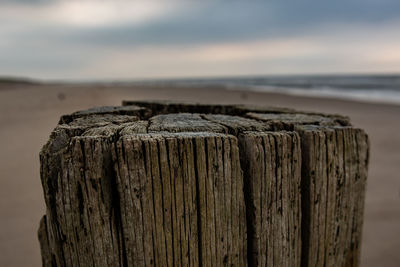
(141, 117)
(165, 107)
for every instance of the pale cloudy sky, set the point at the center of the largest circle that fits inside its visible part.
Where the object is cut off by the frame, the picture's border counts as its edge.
(83, 40)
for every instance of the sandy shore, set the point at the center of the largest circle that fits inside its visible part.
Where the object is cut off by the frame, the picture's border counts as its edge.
(29, 113)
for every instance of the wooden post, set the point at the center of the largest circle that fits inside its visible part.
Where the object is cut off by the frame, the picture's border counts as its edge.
(172, 184)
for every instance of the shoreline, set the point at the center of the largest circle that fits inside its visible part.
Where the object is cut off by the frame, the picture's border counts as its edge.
(332, 94)
(301, 93)
(248, 89)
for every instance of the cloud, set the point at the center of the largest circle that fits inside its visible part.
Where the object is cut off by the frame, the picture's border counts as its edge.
(128, 23)
(89, 13)
(333, 52)
(212, 22)
(122, 39)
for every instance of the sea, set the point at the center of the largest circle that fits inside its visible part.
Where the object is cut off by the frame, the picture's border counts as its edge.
(369, 88)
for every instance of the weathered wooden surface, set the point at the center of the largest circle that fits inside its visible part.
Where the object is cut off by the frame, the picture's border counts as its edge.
(181, 199)
(272, 164)
(334, 175)
(154, 183)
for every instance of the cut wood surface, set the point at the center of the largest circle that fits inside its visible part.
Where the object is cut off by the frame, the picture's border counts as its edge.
(172, 184)
(272, 164)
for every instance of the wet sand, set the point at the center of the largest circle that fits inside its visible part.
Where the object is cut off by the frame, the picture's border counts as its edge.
(28, 113)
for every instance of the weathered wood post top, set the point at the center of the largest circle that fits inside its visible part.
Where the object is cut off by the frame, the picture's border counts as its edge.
(172, 184)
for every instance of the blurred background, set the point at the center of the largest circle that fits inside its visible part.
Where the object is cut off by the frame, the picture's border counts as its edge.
(57, 57)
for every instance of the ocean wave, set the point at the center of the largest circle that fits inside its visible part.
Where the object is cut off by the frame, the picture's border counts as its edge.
(366, 88)
(366, 95)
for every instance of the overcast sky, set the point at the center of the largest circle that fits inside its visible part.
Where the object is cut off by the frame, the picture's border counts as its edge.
(165, 39)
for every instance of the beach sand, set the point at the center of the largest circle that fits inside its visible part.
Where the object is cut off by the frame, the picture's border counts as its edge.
(28, 113)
